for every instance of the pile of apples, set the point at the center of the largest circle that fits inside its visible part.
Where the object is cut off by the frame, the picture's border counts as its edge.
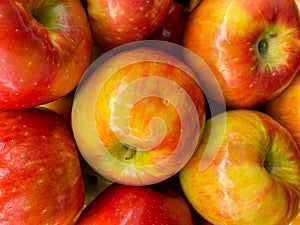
(150, 112)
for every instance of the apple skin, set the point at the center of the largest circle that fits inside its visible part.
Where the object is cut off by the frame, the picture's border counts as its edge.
(133, 112)
(131, 205)
(286, 108)
(253, 52)
(42, 61)
(41, 180)
(117, 22)
(173, 25)
(254, 177)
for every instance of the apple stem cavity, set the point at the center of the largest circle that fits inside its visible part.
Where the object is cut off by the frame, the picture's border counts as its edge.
(131, 150)
(46, 14)
(263, 46)
(268, 166)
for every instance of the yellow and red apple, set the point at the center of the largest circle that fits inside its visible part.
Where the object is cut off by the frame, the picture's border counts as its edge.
(286, 108)
(138, 114)
(253, 176)
(252, 47)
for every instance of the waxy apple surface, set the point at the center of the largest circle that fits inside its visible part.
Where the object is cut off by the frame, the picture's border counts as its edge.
(253, 51)
(40, 174)
(117, 22)
(45, 48)
(138, 116)
(253, 179)
(129, 205)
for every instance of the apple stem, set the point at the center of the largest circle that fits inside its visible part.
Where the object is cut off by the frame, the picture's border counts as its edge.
(130, 151)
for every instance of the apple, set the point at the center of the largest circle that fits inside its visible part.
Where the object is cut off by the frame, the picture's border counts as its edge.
(40, 174)
(254, 177)
(117, 22)
(286, 108)
(173, 25)
(139, 113)
(45, 48)
(131, 205)
(253, 51)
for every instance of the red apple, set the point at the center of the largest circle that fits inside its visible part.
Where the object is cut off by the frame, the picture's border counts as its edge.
(116, 22)
(40, 174)
(253, 176)
(286, 108)
(253, 50)
(173, 25)
(130, 205)
(45, 48)
(138, 114)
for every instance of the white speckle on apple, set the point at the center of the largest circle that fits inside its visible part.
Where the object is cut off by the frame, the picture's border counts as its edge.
(29, 63)
(17, 30)
(35, 83)
(1, 15)
(131, 19)
(21, 80)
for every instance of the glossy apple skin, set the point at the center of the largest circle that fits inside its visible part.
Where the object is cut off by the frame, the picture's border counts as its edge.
(117, 22)
(116, 104)
(41, 61)
(41, 181)
(254, 52)
(253, 179)
(130, 205)
(173, 25)
(286, 108)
